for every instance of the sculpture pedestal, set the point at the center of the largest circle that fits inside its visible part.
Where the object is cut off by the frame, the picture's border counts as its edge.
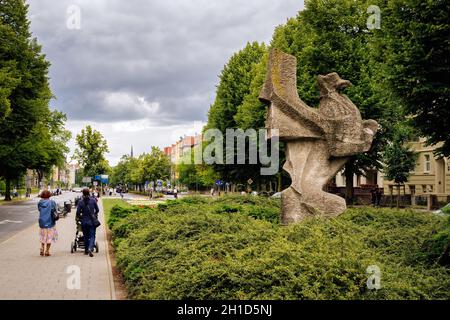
(311, 168)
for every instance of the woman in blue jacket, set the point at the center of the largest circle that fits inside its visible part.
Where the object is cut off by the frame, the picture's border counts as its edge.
(87, 212)
(47, 232)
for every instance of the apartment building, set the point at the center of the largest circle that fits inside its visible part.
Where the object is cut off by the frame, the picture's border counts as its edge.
(431, 174)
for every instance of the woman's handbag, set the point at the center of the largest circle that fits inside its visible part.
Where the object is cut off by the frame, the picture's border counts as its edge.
(55, 214)
(95, 221)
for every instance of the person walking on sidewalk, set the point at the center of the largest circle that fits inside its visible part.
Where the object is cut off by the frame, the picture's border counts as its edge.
(47, 223)
(87, 213)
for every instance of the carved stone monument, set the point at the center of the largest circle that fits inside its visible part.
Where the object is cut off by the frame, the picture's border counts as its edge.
(318, 140)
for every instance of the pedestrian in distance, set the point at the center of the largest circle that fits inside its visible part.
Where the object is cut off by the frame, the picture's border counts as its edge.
(212, 192)
(175, 193)
(87, 214)
(378, 196)
(373, 193)
(48, 216)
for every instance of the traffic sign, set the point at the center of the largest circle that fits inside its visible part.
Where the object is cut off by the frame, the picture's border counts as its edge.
(219, 182)
(159, 183)
(86, 180)
(249, 181)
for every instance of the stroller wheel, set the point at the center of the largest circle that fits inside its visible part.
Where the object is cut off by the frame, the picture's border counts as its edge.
(96, 246)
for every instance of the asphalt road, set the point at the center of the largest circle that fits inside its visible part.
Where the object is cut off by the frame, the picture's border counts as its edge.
(19, 216)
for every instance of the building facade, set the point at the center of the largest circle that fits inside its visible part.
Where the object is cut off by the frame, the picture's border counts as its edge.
(431, 174)
(179, 149)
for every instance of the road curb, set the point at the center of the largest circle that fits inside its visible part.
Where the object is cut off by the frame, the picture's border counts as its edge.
(108, 255)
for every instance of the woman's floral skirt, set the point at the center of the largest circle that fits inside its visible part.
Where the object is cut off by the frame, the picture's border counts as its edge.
(48, 235)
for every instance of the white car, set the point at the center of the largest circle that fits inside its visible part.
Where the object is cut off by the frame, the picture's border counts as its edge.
(77, 190)
(277, 195)
(441, 211)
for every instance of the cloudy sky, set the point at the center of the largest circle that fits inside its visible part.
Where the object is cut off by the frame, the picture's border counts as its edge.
(144, 72)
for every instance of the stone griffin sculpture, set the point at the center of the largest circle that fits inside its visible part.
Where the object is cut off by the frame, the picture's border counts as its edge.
(319, 141)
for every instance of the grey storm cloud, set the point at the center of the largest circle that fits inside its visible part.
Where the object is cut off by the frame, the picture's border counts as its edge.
(154, 59)
(144, 72)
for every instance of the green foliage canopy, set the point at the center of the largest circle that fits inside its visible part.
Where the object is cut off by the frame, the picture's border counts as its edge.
(90, 152)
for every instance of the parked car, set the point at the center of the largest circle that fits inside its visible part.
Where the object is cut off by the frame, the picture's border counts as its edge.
(266, 194)
(168, 192)
(277, 195)
(441, 211)
(77, 189)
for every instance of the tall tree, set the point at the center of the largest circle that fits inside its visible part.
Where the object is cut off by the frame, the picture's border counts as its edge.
(415, 35)
(49, 140)
(155, 166)
(234, 86)
(25, 93)
(399, 160)
(90, 152)
(120, 172)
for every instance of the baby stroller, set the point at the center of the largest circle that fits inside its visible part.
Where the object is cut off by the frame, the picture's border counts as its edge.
(65, 209)
(78, 243)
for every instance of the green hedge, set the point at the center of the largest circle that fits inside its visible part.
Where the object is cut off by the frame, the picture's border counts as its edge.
(234, 248)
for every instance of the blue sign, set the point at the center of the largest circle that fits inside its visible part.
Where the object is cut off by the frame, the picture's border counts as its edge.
(219, 182)
(102, 178)
(159, 183)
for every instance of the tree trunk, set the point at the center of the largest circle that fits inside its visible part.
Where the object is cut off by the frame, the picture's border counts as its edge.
(349, 190)
(398, 196)
(40, 177)
(391, 192)
(8, 189)
(279, 182)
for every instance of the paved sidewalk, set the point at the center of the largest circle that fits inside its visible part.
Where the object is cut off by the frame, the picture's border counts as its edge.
(24, 274)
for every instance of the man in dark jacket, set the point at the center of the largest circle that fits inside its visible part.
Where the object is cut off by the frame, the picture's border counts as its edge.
(87, 212)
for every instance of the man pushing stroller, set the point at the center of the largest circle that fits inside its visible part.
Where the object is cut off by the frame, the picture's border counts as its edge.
(87, 214)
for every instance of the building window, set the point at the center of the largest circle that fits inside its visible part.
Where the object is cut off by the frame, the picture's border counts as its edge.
(427, 164)
(424, 188)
